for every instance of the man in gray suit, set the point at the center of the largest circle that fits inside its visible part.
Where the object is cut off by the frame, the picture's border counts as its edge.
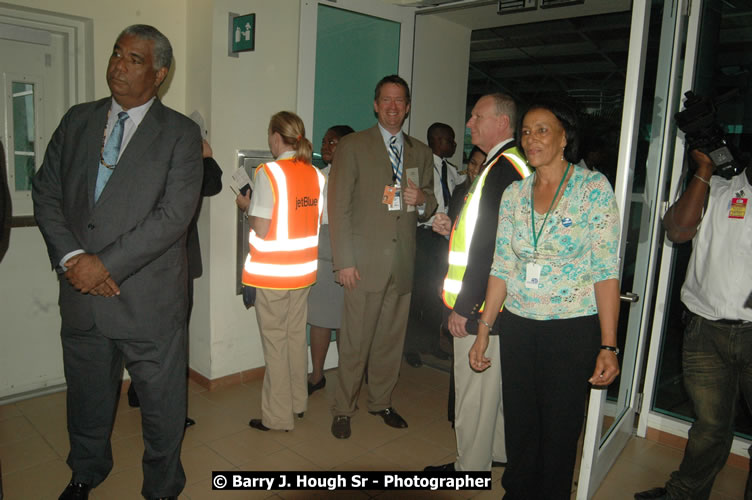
(113, 199)
(381, 181)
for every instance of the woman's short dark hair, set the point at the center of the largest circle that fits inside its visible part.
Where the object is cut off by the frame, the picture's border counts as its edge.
(568, 119)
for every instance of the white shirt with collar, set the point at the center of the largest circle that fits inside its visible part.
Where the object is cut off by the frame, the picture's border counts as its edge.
(453, 180)
(400, 144)
(490, 154)
(262, 199)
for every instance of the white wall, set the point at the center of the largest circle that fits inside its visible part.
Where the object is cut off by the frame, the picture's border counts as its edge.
(198, 98)
(245, 92)
(440, 71)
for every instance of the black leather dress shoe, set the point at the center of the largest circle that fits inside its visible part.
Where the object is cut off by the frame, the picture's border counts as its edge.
(256, 423)
(189, 422)
(413, 359)
(391, 418)
(655, 494)
(318, 385)
(75, 491)
(133, 401)
(341, 427)
(498, 464)
(440, 468)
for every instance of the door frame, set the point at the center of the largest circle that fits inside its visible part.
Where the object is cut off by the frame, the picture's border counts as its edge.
(600, 452)
(405, 16)
(78, 33)
(649, 418)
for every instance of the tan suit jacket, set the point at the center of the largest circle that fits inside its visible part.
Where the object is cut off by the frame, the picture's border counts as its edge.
(364, 232)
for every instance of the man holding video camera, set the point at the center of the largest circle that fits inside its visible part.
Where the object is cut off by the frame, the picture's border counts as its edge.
(717, 352)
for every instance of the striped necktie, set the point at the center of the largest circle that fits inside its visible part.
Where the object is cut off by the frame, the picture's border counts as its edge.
(394, 156)
(110, 154)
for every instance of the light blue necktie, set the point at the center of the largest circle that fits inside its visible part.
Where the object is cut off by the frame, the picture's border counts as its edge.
(110, 154)
(394, 156)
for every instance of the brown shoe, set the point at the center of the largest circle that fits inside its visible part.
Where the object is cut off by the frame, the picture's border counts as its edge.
(341, 427)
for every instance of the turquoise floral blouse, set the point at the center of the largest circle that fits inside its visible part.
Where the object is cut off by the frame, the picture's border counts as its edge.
(577, 248)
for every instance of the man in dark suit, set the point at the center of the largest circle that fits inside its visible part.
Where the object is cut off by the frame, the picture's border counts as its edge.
(381, 181)
(113, 199)
(479, 416)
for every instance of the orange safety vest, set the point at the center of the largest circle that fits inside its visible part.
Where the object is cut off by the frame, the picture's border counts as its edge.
(286, 258)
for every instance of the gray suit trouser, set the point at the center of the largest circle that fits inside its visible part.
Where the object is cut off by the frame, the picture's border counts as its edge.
(93, 371)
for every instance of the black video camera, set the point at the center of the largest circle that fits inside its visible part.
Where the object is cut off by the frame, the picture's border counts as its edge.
(703, 132)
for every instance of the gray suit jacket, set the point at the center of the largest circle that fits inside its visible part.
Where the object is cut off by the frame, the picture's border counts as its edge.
(138, 225)
(364, 232)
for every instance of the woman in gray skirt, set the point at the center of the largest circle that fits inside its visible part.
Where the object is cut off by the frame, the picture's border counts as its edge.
(326, 298)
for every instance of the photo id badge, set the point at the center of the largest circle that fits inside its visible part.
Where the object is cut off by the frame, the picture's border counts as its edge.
(391, 197)
(388, 195)
(532, 274)
(738, 208)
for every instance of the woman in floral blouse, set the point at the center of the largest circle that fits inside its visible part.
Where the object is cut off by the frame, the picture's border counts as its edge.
(556, 272)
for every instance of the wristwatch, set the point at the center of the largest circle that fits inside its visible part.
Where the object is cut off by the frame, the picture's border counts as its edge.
(611, 348)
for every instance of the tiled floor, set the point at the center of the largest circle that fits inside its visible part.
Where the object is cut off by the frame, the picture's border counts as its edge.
(34, 444)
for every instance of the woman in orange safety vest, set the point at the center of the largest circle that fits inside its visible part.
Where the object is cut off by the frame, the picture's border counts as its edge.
(285, 213)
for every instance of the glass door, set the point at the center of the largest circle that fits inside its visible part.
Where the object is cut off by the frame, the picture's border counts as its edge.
(646, 146)
(720, 32)
(345, 49)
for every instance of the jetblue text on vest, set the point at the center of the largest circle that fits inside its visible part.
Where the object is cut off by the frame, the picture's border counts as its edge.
(306, 201)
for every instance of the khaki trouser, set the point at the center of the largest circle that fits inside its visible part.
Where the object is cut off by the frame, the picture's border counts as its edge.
(372, 335)
(478, 413)
(281, 316)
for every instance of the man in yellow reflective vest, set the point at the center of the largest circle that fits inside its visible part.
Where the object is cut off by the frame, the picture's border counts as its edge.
(479, 418)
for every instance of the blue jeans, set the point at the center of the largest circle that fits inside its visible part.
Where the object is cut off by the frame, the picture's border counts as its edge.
(717, 363)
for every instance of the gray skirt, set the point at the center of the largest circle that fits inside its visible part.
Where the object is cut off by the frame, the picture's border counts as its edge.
(326, 300)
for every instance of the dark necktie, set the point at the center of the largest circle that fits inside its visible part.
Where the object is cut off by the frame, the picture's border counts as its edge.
(110, 154)
(444, 185)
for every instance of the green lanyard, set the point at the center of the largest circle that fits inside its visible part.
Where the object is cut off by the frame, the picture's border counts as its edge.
(537, 236)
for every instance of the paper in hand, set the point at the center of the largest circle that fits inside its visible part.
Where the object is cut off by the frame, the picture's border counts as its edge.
(241, 182)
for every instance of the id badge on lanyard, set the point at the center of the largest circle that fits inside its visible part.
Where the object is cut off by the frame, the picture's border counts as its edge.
(391, 197)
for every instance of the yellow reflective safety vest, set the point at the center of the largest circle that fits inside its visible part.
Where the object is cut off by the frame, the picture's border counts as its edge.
(464, 226)
(287, 257)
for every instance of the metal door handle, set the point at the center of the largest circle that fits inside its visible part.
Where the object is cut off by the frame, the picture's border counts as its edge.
(629, 297)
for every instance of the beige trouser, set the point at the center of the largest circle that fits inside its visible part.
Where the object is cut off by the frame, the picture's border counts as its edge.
(373, 335)
(281, 316)
(478, 410)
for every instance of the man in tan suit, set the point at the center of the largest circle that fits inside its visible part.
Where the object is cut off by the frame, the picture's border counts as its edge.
(380, 183)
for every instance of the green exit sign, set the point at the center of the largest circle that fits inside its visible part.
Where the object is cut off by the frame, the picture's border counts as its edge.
(243, 33)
